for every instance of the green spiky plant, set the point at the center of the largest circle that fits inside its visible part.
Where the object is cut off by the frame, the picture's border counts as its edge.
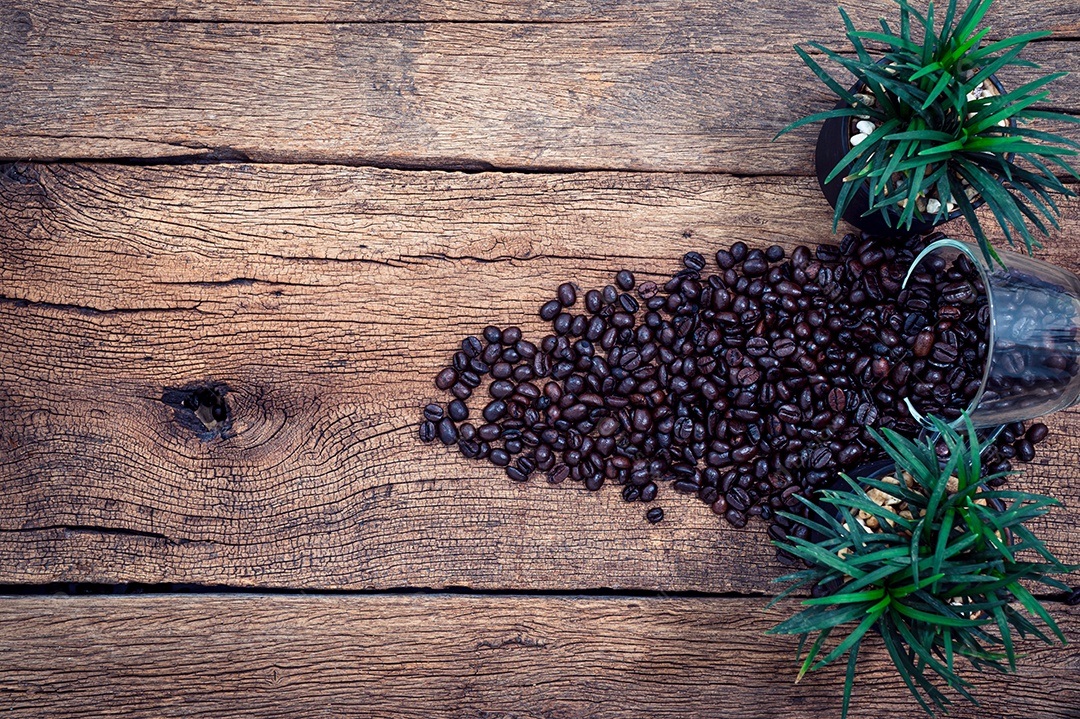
(941, 585)
(934, 138)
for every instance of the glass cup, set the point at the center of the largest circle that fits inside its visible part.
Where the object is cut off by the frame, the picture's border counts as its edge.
(1032, 365)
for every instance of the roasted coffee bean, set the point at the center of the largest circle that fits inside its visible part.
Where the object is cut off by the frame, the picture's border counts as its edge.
(516, 474)
(458, 411)
(694, 261)
(924, 342)
(654, 515)
(448, 433)
(427, 431)
(625, 280)
(494, 410)
(558, 473)
(433, 412)
(761, 378)
(501, 389)
(1036, 433)
(567, 294)
(446, 378)
(1025, 450)
(510, 336)
(549, 311)
(472, 346)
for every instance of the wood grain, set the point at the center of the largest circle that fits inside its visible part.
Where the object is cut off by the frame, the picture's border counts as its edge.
(694, 87)
(325, 299)
(454, 656)
(739, 15)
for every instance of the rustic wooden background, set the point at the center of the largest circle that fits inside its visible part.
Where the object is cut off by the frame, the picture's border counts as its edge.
(309, 203)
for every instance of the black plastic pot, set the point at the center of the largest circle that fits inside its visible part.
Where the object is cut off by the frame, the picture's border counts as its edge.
(833, 143)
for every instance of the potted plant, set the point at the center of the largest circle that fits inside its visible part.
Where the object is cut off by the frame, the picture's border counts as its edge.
(927, 133)
(929, 558)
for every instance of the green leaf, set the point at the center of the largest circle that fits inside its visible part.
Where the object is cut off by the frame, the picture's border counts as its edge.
(1006, 636)
(1022, 39)
(849, 677)
(851, 639)
(972, 17)
(941, 619)
(939, 87)
(980, 125)
(931, 135)
(1032, 605)
(825, 115)
(860, 49)
(889, 39)
(814, 619)
(870, 140)
(840, 91)
(847, 598)
(814, 649)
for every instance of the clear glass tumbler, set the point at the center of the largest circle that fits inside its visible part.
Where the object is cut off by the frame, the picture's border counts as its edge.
(1033, 344)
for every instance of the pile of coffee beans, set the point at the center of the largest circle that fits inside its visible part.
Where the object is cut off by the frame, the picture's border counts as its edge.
(747, 385)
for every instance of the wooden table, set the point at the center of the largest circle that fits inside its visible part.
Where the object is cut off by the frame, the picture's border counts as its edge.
(307, 204)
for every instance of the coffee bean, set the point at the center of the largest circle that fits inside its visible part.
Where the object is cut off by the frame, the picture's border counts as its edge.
(501, 389)
(866, 414)
(427, 431)
(558, 473)
(471, 346)
(625, 280)
(1025, 450)
(433, 412)
(694, 261)
(448, 433)
(924, 342)
(1036, 433)
(735, 518)
(446, 378)
(516, 474)
(567, 294)
(458, 411)
(837, 399)
(549, 311)
(654, 515)
(494, 410)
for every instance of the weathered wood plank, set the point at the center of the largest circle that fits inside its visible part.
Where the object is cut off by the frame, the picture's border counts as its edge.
(454, 656)
(681, 88)
(326, 298)
(740, 17)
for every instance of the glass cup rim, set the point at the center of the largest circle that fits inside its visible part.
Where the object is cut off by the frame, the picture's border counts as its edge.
(984, 275)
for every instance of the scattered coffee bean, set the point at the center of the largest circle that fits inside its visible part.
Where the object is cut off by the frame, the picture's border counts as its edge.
(654, 515)
(448, 433)
(567, 295)
(747, 388)
(458, 410)
(427, 431)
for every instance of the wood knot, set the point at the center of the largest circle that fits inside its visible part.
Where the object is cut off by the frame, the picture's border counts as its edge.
(201, 408)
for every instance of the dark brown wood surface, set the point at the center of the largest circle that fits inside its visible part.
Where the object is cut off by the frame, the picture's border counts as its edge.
(698, 86)
(221, 211)
(454, 656)
(326, 299)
